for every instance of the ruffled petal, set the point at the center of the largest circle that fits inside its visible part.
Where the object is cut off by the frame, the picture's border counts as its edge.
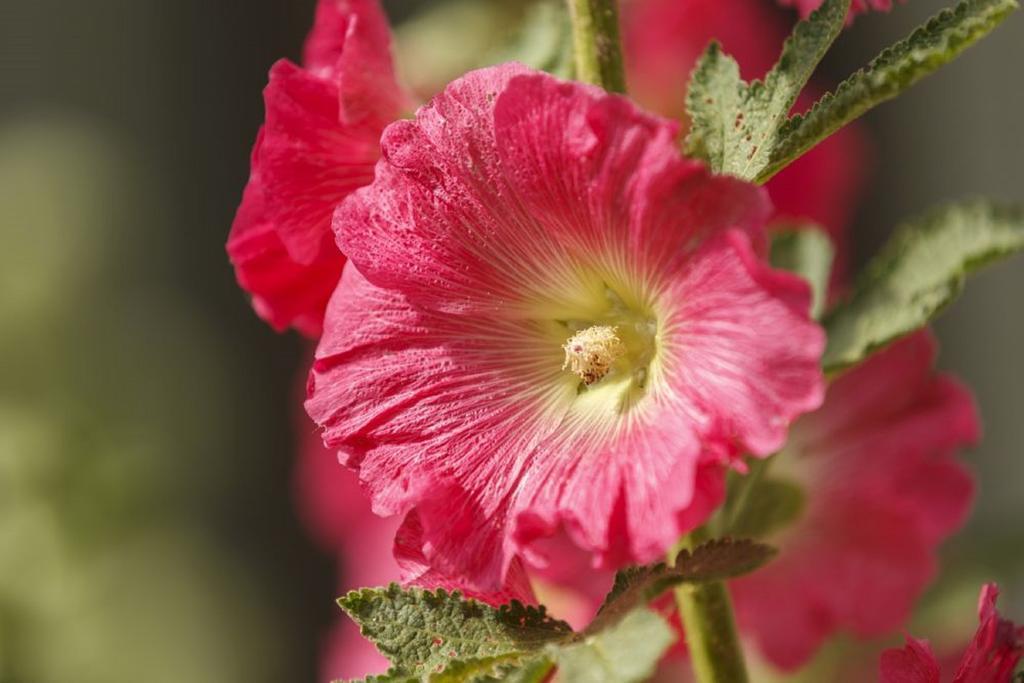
(914, 663)
(284, 293)
(431, 423)
(997, 646)
(473, 205)
(308, 161)
(417, 570)
(401, 389)
(991, 657)
(514, 211)
(402, 392)
(350, 44)
(319, 143)
(739, 382)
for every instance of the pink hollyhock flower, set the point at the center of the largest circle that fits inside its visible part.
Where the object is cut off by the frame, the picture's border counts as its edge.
(339, 518)
(997, 647)
(663, 40)
(572, 589)
(882, 491)
(552, 321)
(805, 7)
(319, 143)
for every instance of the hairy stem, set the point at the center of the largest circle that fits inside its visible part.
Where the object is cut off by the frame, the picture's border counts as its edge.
(706, 611)
(596, 46)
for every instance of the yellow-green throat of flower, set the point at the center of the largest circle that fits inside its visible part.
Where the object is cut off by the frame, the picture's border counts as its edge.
(615, 346)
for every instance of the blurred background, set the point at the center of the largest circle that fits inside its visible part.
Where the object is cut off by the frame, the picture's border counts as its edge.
(147, 525)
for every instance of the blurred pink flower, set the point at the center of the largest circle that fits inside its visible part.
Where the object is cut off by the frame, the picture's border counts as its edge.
(663, 40)
(555, 320)
(347, 655)
(882, 488)
(319, 142)
(991, 657)
(338, 517)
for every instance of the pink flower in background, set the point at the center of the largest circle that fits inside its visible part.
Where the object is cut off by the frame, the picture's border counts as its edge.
(347, 655)
(663, 40)
(805, 7)
(883, 489)
(997, 647)
(556, 319)
(338, 516)
(319, 142)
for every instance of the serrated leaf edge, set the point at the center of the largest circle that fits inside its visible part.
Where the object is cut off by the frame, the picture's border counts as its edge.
(945, 36)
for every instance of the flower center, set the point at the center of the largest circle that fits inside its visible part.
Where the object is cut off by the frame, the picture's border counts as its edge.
(610, 348)
(591, 353)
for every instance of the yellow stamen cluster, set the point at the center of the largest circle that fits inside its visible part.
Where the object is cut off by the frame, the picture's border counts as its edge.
(591, 353)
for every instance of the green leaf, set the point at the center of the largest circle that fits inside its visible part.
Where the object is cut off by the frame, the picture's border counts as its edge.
(808, 252)
(627, 652)
(918, 273)
(534, 670)
(512, 668)
(712, 561)
(772, 505)
(440, 637)
(421, 631)
(509, 668)
(897, 68)
(390, 677)
(437, 637)
(713, 101)
(735, 125)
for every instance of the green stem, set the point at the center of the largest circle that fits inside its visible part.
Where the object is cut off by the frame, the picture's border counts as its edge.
(706, 611)
(596, 46)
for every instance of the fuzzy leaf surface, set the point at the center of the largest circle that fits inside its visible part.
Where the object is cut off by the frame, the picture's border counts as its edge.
(735, 125)
(898, 67)
(421, 631)
(437, 637)
(714, 100)
(918, 273)
(513, 668)
(808, 252)
(508, 668)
